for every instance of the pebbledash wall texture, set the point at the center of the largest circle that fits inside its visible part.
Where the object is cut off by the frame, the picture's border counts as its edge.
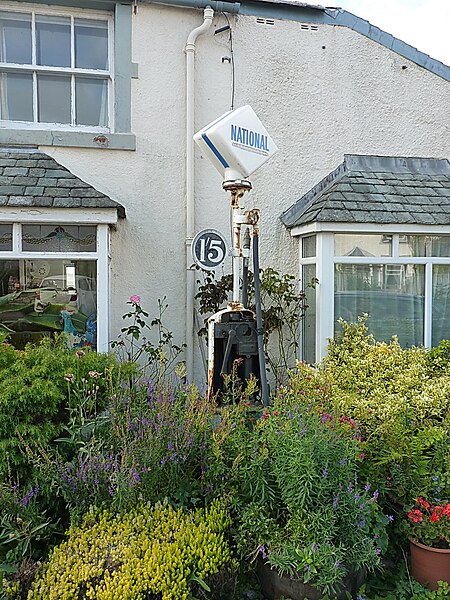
(321, 90)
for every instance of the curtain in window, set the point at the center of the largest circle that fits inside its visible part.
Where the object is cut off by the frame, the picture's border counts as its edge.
(441, 304)
(391, 295)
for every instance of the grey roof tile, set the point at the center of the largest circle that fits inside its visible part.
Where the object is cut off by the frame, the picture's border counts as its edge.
(376, 189)
(32, 178)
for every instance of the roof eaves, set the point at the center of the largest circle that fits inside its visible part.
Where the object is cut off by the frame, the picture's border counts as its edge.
(290, 217)
(344, 18)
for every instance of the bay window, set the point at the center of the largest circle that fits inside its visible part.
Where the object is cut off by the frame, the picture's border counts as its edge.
(400, 280)
(54, 279)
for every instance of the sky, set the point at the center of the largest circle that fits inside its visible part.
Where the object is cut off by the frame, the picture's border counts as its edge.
(425, 24)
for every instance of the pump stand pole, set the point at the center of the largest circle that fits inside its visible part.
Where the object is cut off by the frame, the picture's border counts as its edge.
(237, 188)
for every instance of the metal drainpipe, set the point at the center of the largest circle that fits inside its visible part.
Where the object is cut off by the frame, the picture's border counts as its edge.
(190, 201)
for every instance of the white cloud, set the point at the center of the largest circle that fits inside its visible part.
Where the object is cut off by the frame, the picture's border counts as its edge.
(424, 24)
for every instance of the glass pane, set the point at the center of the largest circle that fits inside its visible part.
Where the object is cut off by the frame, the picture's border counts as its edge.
(44, 297)
(309, 320)
(412, 245)
(51, 238)
(91, 101)
(362, 245)
(425, 245)
(5, 237)
(15, 38)
(53, 99)
(441, 304)
(91, 44)
(392, 296)
(16, 96)
(439, 245)
(53, 41)
(309, 246)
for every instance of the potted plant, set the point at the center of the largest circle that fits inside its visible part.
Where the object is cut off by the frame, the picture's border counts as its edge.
(300, 513)
(428, 528)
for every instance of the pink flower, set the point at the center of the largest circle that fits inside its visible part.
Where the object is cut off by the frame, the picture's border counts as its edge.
(135, 299)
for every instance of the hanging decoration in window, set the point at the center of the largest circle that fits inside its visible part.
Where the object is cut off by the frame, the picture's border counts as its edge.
(47, 238)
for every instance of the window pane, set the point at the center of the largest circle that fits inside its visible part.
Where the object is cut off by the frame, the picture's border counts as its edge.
(51, 238)
(441, 304)
(15, 38)
(425, 245)
(16, 96)
(91, 44)
(5, 237)
(412, 245)
(309, 246)
(392, 296)
(439, 245)
(309, 320)
(44, 297)
(91, 101)
(362, 245)
(53, 99)
(53, 41)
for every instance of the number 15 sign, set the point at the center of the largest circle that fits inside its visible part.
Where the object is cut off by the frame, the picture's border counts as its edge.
(209, 249)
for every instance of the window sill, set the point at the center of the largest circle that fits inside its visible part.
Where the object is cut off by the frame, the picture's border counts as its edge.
(78, 139)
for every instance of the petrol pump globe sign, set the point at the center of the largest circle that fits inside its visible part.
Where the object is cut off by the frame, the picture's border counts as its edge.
(236, 143)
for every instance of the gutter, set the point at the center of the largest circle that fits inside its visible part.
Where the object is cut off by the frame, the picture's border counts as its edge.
(217, 6)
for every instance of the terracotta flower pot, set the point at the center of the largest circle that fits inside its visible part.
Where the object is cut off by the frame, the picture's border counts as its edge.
(429, 565)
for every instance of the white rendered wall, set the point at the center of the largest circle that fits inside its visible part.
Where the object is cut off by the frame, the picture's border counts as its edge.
(320, 94)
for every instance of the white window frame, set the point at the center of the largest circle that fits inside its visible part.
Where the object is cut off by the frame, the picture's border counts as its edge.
(101, 255)
(108, 74)
(325, 262)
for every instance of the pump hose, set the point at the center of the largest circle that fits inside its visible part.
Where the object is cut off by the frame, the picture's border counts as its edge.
(259, 322)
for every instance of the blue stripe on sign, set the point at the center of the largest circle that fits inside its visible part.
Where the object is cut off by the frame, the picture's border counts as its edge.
(209, 143)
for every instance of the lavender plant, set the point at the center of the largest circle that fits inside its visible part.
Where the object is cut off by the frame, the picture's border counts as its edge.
(153, 447)
(293, 477)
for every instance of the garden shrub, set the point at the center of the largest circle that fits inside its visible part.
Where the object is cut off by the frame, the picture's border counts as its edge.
(297, 501)
(399, 405)
(35, 401)
(152, 447)
(149, 552)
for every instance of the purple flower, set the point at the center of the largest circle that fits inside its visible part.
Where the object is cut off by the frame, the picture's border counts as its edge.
(367, 487)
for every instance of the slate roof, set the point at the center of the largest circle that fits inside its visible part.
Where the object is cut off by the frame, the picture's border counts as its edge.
(378, 189)
(28, 177)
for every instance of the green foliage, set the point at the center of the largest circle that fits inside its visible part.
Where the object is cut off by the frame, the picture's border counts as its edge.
(25, 531)
(150, 445)
(151, 344)
(428, 523)
(298, 505)
(397, 584)
(401, 409)
(35, 397)
(438, 358)
(148, 552)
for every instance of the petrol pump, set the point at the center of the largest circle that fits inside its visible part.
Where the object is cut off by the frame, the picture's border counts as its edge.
(237, 144)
